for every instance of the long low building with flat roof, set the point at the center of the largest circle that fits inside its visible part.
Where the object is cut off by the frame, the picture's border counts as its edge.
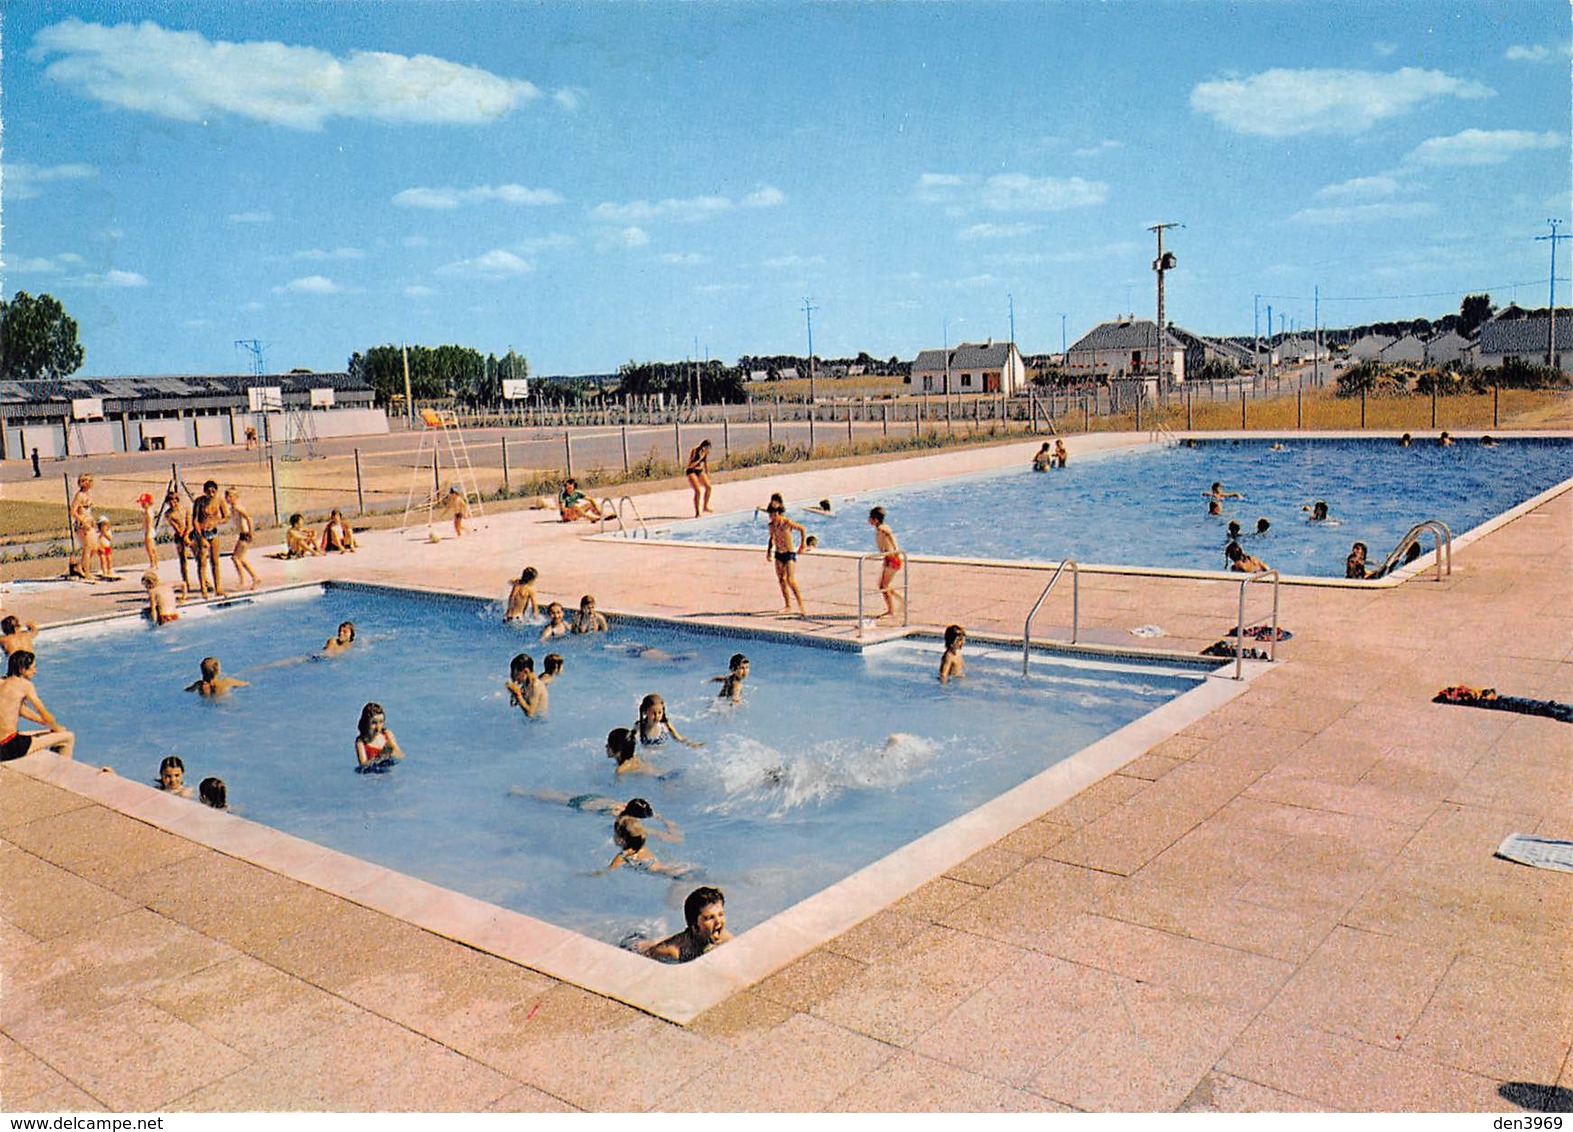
(78, 416)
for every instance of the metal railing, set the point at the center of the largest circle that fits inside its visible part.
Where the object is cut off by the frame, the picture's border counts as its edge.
(1162, 435)
(1026, 628)
(906, 587)
(1239, 624)
(1444, 547)
(610, 511)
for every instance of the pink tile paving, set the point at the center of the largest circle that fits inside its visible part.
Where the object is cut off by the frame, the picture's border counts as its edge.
(1289, 905)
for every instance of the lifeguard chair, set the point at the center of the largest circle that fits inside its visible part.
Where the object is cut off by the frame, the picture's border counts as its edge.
(440, 429)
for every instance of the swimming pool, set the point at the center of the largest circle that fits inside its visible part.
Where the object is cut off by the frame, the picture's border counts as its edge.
(1144, 506)
(796, 787)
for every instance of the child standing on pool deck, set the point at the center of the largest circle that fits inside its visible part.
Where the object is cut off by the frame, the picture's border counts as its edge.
(951, 665)
(654, 725)
(106, 548)
(778, 546)
(885, 540)
(376, 749)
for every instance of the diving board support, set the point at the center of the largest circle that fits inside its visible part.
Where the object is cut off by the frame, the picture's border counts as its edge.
(441, 427)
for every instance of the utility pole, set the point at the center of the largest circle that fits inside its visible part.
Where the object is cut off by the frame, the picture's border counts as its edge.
(1316, 322)
(1011, 299)
(1064, 353)
(1164, 262)
(409, 403)
(808, 312)
(1552, 358)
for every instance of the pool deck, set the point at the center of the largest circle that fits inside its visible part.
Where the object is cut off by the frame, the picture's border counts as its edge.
(1290, 905)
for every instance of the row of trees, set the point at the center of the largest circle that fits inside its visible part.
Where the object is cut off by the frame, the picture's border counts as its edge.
(438, 372)
(1373, 379)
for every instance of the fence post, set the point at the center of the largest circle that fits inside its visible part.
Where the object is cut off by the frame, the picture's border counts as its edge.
(811, 431)
(1188, 425)
(273, 481)
(1433, 404)
(1362, 407)
(1297, 409)
(726, 439)
(677, 439)
(1242, 408)
(1086, 414)
(1140, 397)
(360, 493)
(770, 430)
(1496, 391)
(625, 450)
(568, 451)
(506, 482)
(436, 478)
(849, 427)
(65, 478)
(884, 419)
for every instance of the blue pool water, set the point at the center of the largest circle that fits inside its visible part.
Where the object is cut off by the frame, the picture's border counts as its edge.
(795, 788)
(1145, 507)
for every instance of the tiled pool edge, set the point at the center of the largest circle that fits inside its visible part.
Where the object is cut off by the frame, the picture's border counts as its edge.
(678, 994)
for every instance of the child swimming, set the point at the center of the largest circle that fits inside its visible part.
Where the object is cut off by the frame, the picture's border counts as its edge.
(213, 684)
(622, 746)
(521, 596)
(732, 682)
(587, 620)
(341, 640)
(654, 726)
(172, 776)
(951, 665)
(376, 750)
(555, 625)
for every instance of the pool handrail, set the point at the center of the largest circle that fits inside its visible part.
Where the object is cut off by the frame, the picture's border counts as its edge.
(611, 511)
(1239, 624)
(1162, 435)
(906, 587)
(1026, 628)
(1444, 547)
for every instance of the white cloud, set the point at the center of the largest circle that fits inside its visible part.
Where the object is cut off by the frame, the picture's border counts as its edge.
(766, 196)
(1357, 188)
(720, 288)
(40, 265)
(545, 243)
(973, 281)
(1384, 49)
(312, 285)
(1538, 53)
(113, 278)
(22, 181)
(1107, 145)
(251, 218)
(684, 209)
(1283, 103)
(568, 97)
(682, 259)
(416, 241)
(996, 231)
(187, 77)
(320, 255)
(794, 261)
(495, 264)
(419, 291)
(1362, 213)
(480, 194)
(253, 305)
(631, 236)
(1481, 147)
(1009, 192)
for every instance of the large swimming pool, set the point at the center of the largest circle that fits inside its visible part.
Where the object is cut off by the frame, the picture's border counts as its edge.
(1145, 506)
(833, 759)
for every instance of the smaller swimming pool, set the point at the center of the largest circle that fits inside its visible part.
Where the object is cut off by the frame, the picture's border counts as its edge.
(1144, 506)
(834, 759)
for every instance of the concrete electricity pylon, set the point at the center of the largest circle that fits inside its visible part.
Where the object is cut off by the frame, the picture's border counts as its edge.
(254, 348)
(1164, 262)
(1552, 358)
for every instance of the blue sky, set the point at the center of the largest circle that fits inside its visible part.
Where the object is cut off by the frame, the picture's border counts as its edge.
(593, 183)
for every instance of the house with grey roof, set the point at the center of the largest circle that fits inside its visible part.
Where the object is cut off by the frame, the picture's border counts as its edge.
(971, 367)
(1127, 348)
(76, 416)
(1526, 340)
(1369, 348)
(1406, 350)
(1450, 349)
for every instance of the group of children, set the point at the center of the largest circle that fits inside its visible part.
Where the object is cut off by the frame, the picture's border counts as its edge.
(1047, 457)
(783, 552)
(172, 780)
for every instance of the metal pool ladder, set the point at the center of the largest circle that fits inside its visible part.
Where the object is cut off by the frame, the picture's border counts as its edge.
(1444, 547)
(1239, 624)
(906, 586)
(1026, 629)
(610, 511)
(1161, 435)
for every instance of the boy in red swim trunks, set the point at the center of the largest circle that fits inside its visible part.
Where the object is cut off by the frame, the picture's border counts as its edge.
(885, 541)
(18, 701)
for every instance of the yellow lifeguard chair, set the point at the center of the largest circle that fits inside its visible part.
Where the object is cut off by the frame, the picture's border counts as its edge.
(440, 429)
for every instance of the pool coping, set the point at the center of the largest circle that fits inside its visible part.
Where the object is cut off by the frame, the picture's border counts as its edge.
(1397, 577)
(676, 993)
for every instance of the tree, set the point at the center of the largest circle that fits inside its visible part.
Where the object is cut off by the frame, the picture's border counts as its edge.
(37, 339)
(1474, 310)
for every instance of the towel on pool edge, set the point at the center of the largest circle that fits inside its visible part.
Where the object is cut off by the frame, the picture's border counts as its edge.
(1537, 852)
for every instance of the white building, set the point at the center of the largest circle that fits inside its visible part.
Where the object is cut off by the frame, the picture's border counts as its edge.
(989, 367)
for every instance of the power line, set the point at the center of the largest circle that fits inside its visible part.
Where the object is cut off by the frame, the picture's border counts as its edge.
(1413, 295)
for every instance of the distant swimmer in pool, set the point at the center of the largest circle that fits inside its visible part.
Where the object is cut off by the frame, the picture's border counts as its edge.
(779, 547)
(654, 725)
(1061, 456)
(376, 750)
(522, 683)
(820, 508)
(1232, 531)
(1445, 440)
(601, 804)
(213, 792)
(555, 625)
(633, 850)
(521, 596)
(732, 682)
(1241, 562)
(705, 913)
(1215, 496)
(1404, 441)
(1488, 441)
(885, 541)
(1043, 458)
(551, 668)
(172, 777)
(212, 683)
(1263, 525)
(1355, 564)
(341, 641)
(951, 664)
(1318, 511)
(587, 620)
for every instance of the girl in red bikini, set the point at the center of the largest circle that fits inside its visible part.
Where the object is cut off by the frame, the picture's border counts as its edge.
(375, 747)
(885, 541)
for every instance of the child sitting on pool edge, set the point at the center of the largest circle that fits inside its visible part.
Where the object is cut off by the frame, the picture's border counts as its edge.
(376, 750)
